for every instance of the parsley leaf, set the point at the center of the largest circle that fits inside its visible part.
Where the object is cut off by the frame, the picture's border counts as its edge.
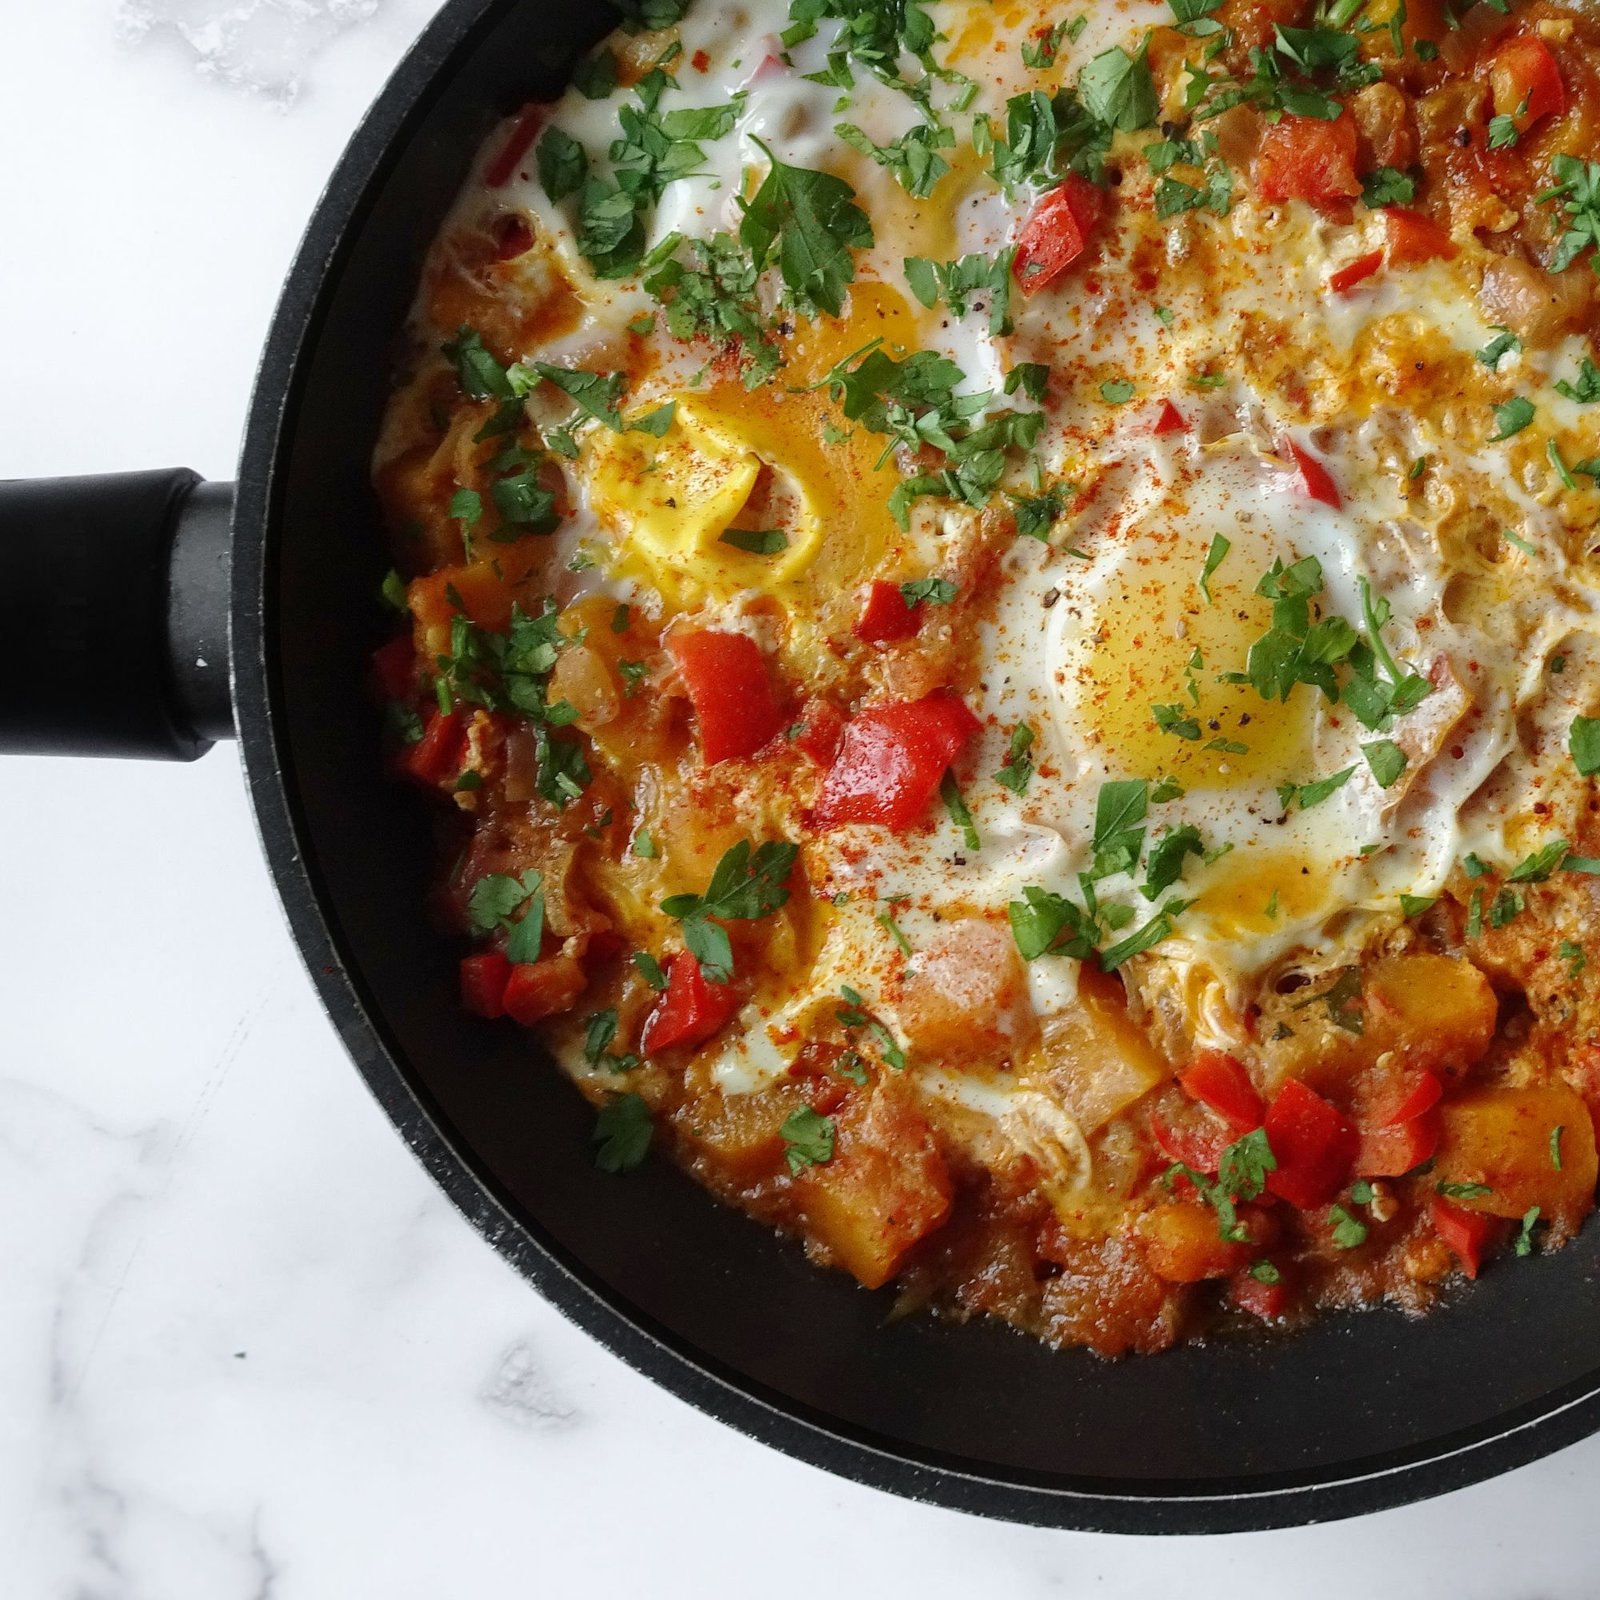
(958, 282)
(563, 164)
(1583, 740)
(1511, 417)
(1505, 342)
(1586, 391)
(496, 901)
(1118, 90)
(814, 223)
(743, 888)
(1577, 187)
(1348, 1231)
(756, 542)
(913, 158)
(807, 1139)
(1387, 186)
(960, 814)
(1387, 761)
(1165, 863)
(623, 1129)
(1018, 768)
(929, 591)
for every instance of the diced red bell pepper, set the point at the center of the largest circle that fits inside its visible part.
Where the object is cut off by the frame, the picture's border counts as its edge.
(890, 761)
(1198, 1144)
(1264, 1300)
(394, 668)
(1402, 1099)
(1169, 419)
(1305, 158)
(821, 725)
(1057, 232)
(886, 615)
(1395, 1150)
(730, 688)
(537, 990)
(1466, 1232)
(1314, 1146)
(1358, 271)
(1414, 238)
(439, 753)
(484, 977)
(1220, 1082)
(518, 142)
(1315, 478)
(691, 1010)
(1526, 81)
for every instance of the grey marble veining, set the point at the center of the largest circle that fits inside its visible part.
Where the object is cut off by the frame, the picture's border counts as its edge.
(247, 1352)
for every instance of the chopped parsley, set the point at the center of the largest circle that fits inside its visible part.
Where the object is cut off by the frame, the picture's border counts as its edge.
(1585, 390)
(1523, 1244)
(1511, 417)
(1018, 769)
(958, 283)
(1241, 1175)
(1216, 554)
(744, 887)
(1388, 186)
(913, 158)
(811, 223)
(1387, 761)
(1505, 342)
(708, 290)
(807, 1139)
(1577, 188)
(960, 814)
(1348, 1231)
(516, 904)
(623, 1129)
(1583, 741)
(928, 591)
(756, 541)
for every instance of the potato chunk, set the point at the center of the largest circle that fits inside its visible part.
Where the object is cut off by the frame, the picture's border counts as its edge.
(966, 994)
(1502, 1138)
(885, 1188)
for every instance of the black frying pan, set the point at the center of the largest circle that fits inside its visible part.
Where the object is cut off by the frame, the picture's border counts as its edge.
(122, 595)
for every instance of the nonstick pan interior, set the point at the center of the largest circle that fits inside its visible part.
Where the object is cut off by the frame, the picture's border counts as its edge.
(1362, 1411)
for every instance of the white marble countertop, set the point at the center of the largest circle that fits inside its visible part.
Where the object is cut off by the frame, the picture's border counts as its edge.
(246, 1349)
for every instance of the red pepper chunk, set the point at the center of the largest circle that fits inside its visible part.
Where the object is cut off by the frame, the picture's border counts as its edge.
(691, 1010)
(484, 977)
(1527, 82)
(540, 989)
(1221, 1083)
(890, 760)
(1305, 158)
(1414, 238)
(1466, 1232)
(1057, 232)
(736, 711)
(1264, 1300)
(1358, 271)
(1314, 1146)
(518, 142)
(1315, 478)
(1169, 419)
(438, 754)
(1198, 1144)
(886, 615)
(1392, 1152)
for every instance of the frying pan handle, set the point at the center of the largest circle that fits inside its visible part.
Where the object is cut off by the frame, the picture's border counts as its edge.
(114, 615)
